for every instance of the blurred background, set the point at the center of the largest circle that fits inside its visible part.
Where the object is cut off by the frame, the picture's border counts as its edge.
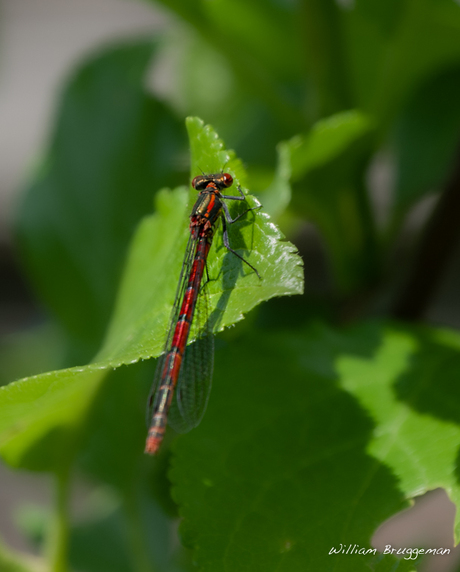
(401, 68)
(41, 43)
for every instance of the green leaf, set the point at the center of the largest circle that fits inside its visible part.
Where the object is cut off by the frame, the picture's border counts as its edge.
(113, 145)
(260, 29)
(33, 408)
(327, 171)
(426, 139)
(111, 445)
(160, 244)
(99, 544)
(410, 389)
(277, 195)
(312, 440)
(279, 472)
(45, 408)
(395, 46)
(98, 541)
(325, 56)
(26, 353)
(328, 139)
(256, 40)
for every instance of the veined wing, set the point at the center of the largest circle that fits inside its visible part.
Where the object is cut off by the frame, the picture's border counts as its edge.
(195, 378)
(181, 287)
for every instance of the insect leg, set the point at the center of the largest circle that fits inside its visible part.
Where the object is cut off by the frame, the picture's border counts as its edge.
(231, 220)
(227, 244)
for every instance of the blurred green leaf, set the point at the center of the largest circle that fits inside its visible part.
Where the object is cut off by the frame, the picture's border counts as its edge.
(257, 28)
(100, 541)
(395, 46)
(45, 409)
(327, 171)
(261, 29)
(34, 408)
(277, 195)
(325, 57)
(268, 70)
(79, 214)
(239, 114)
(111, 446)
(369, 29)
(327, 140)
(279, 472)
(29, 352)
(427, 138)
(409, 388)
(99, 546)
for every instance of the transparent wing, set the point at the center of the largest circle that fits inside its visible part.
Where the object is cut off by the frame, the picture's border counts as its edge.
(186, 265)
(195, 378)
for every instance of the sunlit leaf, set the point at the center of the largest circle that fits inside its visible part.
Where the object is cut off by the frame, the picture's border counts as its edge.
(153, 268)
(34, 407)
(282, 469)
(410, 389)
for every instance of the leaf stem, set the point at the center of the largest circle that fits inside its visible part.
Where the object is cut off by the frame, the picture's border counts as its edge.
(59, 536)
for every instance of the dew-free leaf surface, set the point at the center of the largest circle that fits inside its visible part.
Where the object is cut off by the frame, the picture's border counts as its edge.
(33, 407)
(312, 446)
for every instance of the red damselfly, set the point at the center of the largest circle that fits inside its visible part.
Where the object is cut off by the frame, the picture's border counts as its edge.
(190, 367)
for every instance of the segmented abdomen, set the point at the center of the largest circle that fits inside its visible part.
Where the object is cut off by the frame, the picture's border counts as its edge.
(173, 358)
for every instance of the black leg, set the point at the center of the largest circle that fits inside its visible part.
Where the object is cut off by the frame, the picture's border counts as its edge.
(232, 198)
(231, 220)
(227, 244)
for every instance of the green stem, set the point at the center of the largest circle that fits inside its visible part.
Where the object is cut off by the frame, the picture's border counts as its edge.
(136, 534)
(325, 56)
(59, 536)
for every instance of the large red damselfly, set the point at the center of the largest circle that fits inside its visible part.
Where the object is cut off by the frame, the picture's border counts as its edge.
(190, 367)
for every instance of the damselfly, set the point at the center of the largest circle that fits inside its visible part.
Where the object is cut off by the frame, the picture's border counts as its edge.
(190, 367)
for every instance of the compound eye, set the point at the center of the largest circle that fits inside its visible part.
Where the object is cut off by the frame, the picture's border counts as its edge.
(228, 179)
(196, 181)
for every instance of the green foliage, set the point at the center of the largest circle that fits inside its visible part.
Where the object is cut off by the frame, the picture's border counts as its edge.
(48, 406)
(314, 433)
(95, 184)
(285, 445)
